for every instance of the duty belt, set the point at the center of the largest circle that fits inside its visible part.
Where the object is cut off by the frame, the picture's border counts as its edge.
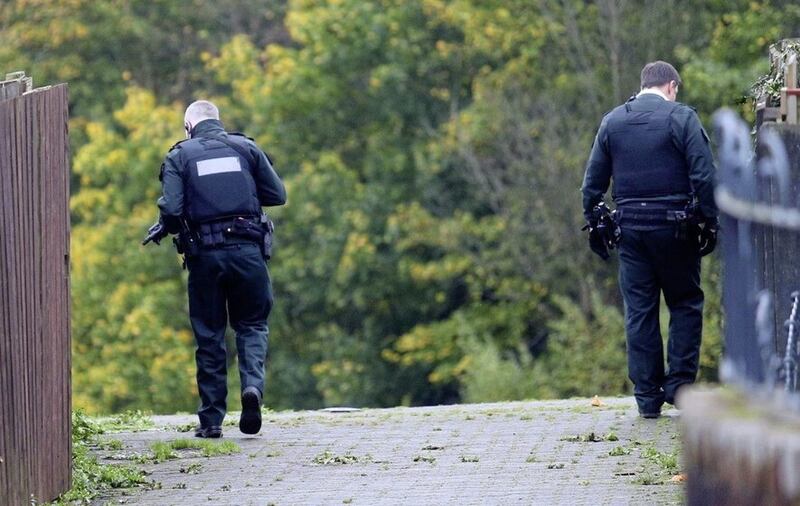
(651, 216)
(229, 231)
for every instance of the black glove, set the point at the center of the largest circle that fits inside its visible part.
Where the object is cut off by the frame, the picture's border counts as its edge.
(597, 242)
(155, 233)
(708, 236)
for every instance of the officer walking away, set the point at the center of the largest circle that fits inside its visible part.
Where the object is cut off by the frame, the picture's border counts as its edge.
(657, 154)
(213, 186)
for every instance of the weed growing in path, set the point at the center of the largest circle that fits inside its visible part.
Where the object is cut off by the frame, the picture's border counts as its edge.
(166, 450)
(648, 479)
(161, 451)
(619, 451)
(425, 458)
(110, 444)
(591, 437)
(193, 468)
(186, 427)
(329, 458)
(129, 421)
(668, 461)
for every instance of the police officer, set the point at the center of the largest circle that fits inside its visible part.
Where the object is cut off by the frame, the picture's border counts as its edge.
(213, 186)
(657, 154)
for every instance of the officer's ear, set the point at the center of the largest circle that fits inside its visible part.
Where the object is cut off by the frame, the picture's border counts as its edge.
(188, 128)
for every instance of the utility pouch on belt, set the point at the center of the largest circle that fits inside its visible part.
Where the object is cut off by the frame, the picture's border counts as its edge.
(686, 223)
(681, 219)
(246, 229)
(260, 231)
(268, 229)
(185, 244)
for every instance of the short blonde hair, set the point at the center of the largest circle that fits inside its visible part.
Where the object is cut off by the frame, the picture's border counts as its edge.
(200, 110)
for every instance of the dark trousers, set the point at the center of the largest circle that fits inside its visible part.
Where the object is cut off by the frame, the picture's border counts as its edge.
(651, 262)
(229, 282)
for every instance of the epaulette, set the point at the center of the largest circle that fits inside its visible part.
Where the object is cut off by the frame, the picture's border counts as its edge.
(240, 134)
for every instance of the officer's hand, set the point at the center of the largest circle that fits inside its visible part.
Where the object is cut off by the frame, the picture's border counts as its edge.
(596, 242)
(708, 236)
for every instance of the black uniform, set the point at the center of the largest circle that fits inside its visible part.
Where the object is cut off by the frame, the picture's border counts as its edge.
(207, 185)
(658, 156)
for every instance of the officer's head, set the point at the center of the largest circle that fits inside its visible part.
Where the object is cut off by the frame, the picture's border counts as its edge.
(198, 111)
(663, 76)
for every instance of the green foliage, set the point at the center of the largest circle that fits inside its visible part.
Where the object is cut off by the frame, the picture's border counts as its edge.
(84, 428)
(128, 421)
(89, 477)
(619, 451)
(713, 319)
(722, 72)
(489, 376)
(162, 451)
(168, 450)
(111, 444)
(208, 448)
(328, 458)
(583, 356)
(667, 461)
(586, 351)
(100, 48)
(132, 347)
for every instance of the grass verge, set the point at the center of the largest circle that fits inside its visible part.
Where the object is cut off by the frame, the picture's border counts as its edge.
(89, 477)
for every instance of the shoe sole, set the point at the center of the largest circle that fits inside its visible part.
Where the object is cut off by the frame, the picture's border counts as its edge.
(214, 434)
(250, 421)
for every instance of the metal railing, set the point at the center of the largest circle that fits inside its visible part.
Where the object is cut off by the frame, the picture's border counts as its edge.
(757, 194)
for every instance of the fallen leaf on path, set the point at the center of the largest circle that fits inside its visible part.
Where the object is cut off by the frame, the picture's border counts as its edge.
(596, 402)
(678, 478)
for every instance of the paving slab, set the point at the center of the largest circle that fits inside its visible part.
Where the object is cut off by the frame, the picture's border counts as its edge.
(537, 452)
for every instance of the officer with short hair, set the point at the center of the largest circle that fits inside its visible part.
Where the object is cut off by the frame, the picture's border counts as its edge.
(213, 186)
(657, 154)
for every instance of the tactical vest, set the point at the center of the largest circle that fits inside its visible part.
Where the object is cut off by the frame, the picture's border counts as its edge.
(646, 161)
(218, 182)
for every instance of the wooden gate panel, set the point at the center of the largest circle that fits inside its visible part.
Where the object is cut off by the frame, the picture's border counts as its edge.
(35, 403)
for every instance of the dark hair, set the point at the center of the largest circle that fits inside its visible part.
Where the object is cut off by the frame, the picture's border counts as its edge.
(659, 73)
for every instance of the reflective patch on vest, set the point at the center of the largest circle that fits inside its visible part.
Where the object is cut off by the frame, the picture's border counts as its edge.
(218, 166)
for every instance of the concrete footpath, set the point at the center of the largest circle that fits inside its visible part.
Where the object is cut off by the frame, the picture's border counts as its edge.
(538, 452)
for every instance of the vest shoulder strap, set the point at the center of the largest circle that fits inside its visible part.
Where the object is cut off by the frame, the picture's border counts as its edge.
(240, 134)
(239, 149)
(177, 145)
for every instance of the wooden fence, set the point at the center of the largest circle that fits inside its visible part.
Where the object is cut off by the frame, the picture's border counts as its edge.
(35, 427)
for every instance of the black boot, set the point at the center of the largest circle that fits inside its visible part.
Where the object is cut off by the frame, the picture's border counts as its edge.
(215, 431)
(250, 421)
